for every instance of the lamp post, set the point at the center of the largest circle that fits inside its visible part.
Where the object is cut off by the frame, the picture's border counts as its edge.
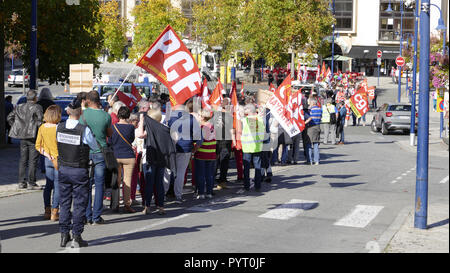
(33, 53)
(421, 197)
(333, 9)
(412, 132)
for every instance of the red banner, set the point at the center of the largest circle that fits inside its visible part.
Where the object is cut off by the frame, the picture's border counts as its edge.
(216, 96)
(169, 60)
(359, 102)
(135, 93)
(371, 92)
(129, 101)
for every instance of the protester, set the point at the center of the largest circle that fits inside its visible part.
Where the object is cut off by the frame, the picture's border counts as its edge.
(99, 122)
(45, 99)
(121, 139)
(185, 131)
(160, 154)
(237, 145)
(313, 119)
(253, 130)
(341, 122)
(9, 107)
(329, 120)
(25, 121)
(81, 97)
(137, 176)
(114, 111)
(46, 144)
(205, 157)
(74, 143)
(223, 124)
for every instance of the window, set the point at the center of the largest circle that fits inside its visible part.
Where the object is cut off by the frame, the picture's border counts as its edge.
(391, 23)
(344, 14)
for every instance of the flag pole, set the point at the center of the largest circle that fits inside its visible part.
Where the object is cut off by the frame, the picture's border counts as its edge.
(124, 80)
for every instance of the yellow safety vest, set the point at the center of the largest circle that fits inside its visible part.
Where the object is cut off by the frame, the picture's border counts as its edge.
(253, 131)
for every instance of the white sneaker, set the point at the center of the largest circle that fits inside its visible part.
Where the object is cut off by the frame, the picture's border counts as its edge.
(209, 196)
(201, 196)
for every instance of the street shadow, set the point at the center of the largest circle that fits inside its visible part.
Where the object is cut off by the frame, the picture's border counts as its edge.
(302, 206)
(344, 185)
(146, 234)
(23, 220)
(37, 231)
(356, 142)
(438, 224)
(337, 161)
(384, 142)
(339, 176)
(325, 156)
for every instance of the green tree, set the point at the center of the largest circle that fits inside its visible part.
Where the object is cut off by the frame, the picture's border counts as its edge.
(66, 34)
(114, 28)
(151, 17)
(270, 28)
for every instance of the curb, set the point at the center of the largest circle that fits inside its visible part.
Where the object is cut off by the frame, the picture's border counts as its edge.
(395, 227)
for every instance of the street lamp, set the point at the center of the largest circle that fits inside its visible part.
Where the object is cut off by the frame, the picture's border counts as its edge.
(412, 132)
(332, 44)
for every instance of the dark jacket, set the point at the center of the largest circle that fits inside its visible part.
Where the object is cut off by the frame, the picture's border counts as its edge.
(161, 150)
(25, 120)
(45, 103)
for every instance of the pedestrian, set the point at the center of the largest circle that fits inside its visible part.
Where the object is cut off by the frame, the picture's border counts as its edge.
(205, 157)
(253, 130)
(237, 144)
(9, 107)
(45, 99)
(74, 141)
(46, 144)
(25, 121)
(99, 122)
(114, 111)
(313, 119)
(270, 137)
(82, 98)
(341, 122)
(160, 155)
(223, 124)
(374, 100)
(137, 179)
(185, 131)
(121, 139)
(329, 121)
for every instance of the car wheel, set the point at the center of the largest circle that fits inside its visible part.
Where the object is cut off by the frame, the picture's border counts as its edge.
(373, 126)
(384, 130)
(9, 85)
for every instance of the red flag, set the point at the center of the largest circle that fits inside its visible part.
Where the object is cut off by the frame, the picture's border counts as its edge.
(318, 73)
(242, 90)
(129, 101)
(205, 95)
(295, 110)
(284, 90)
(272, 88)
(135, 93)
(322, 74)
(169, 60)
(359, 102)
(371, 92)
(216, 97)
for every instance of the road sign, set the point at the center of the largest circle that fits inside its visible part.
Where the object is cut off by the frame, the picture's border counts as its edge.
(379, 54)
(378, 61)
(400, 61)
(81, 78)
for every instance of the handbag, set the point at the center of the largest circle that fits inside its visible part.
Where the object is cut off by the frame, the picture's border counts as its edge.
(108, 153)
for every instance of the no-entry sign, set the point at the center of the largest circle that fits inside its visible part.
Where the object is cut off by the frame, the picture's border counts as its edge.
(400, 61)
(379, 54)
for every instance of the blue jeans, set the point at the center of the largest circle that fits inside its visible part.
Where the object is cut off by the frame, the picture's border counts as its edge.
(154, 184)
(51, 177)
(256, 159)
(315, 147)
(342, 134)
(204, 175)
(99, 181)
(284, 154)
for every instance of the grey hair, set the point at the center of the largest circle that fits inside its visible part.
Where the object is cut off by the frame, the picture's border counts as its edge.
(143, 103)
(45, 94)
(31, 95)
(329, 100)
(133, 117)
(313, 101)
(116, 106)
(249, 108)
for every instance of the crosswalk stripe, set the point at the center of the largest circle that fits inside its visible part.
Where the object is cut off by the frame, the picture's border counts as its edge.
(444, 180)
(360, 217)
(290, 209)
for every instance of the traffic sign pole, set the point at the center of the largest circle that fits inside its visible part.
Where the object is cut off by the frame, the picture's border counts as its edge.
(379, 54)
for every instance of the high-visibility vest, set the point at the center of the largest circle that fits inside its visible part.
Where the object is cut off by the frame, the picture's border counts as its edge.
(207, 150)
(326, 114)
(253, 131)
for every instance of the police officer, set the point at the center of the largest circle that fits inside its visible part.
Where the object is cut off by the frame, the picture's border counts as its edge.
(74, 141)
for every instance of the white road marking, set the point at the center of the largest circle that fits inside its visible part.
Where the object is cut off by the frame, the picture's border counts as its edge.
(289, 210)
(360, 217)
(399, 178)
(444, 180)
(395, 181)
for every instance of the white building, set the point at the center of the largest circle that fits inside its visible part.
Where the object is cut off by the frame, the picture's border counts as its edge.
(364, 27)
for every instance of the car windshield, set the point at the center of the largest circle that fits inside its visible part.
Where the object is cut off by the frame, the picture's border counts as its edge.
(17, 72)
(399, 108)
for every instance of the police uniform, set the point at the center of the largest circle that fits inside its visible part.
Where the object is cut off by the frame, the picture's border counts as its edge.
(74, 141)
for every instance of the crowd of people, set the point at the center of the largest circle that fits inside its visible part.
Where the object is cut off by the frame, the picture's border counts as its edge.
(150, 150)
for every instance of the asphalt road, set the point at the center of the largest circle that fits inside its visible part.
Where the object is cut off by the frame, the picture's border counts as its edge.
(343, 205)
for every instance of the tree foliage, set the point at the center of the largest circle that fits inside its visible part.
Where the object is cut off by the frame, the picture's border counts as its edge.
(114, 28)
(151, 17)
(66, 35)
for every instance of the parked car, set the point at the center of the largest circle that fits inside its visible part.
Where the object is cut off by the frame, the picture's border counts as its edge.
(16, 78)
(106, 88)
(393, 116)
(63, 103)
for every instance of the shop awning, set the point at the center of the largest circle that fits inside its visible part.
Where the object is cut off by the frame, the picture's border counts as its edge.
(370, 52)
(339, 58)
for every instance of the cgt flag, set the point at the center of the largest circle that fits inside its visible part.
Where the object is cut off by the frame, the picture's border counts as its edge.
(135, 93)
(128, 100)
(359, 102)
(169, 60)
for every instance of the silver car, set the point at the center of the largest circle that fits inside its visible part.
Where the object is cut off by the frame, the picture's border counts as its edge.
(393, 116)
(16, 78)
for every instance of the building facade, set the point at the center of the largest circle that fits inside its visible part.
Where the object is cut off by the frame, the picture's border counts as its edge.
(363, 27)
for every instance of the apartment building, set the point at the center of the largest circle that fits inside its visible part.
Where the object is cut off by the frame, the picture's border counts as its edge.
(363, 27)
